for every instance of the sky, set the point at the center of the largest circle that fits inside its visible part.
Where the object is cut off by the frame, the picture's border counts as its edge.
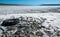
(30, 2)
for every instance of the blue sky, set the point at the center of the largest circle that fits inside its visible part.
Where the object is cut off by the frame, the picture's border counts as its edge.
(31, 2)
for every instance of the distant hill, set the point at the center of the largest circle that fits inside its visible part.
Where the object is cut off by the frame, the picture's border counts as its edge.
(50, 5)
(2, 4)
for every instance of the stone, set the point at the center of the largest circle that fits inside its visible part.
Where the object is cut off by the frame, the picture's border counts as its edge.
(10, 22)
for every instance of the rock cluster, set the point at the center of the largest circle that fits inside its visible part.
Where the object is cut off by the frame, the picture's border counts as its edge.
(28, 27)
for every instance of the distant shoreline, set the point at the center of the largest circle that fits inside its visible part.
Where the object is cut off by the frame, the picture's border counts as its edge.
(2, 4)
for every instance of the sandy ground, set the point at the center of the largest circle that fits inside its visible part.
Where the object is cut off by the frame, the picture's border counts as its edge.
(52, 18)
(13, 11)
(16, 11)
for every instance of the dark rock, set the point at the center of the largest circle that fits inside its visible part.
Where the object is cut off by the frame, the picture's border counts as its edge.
(2, 29)
(10, 22)
(39, 34)
(25, 27)
(43, 26)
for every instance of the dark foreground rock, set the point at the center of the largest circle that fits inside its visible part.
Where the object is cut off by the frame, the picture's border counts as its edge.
(10, 22)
